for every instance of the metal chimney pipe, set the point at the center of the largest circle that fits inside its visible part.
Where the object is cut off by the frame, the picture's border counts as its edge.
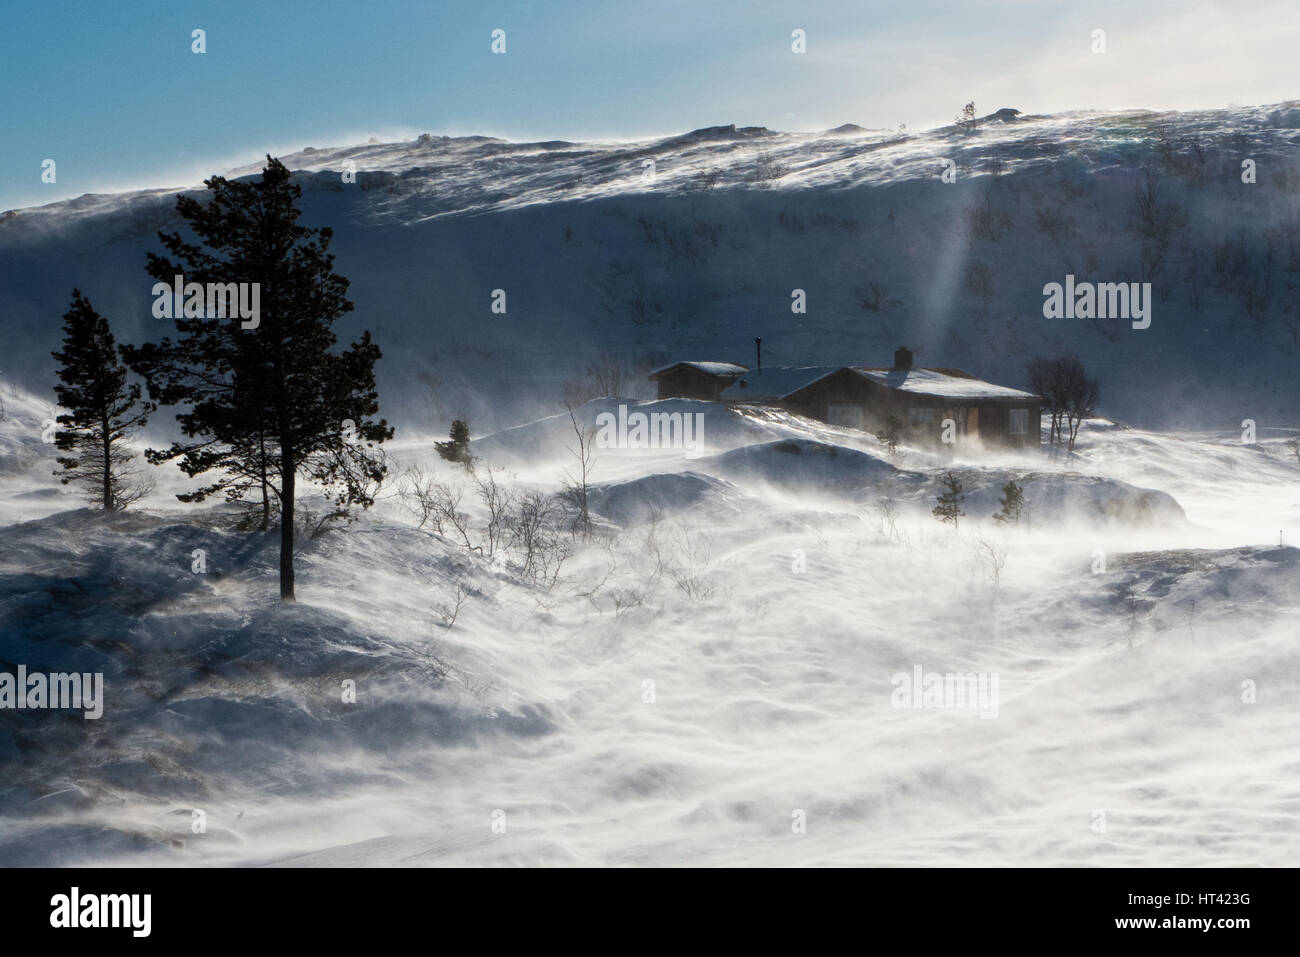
(758, 348)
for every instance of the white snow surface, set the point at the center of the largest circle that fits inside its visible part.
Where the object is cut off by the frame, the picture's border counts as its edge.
(775, 382)
(687, 688)
(713, 368)
(935, 382)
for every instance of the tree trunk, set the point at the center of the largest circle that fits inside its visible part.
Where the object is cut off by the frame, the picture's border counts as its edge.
(108, 464)
(266, 495)
(287, 475)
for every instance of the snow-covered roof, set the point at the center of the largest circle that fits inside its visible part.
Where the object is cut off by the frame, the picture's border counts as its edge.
(943, 384)
(775, 382)
(778, 382)
(711, 368)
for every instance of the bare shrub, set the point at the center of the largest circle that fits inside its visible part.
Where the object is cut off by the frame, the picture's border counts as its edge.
(693, 574)
(436, 504)
(1154, 221)
(767, 170)
(605, 375)
(977, 279)
(889, 521)
(416, 490)
(993, 556)
(576, 485)
(310, 524)
(541, 545)
(706, 178)
(1055, 223)
(890, 435)
(449, 613)
(1068, 392)
(626, 598)
(871, 297)
(623, 289)
(498, 500)
(986, 220)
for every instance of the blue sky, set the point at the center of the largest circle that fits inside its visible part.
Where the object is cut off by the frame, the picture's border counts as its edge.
(113, 93)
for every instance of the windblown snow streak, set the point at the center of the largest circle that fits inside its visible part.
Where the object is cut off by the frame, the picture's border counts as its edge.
(720, 662)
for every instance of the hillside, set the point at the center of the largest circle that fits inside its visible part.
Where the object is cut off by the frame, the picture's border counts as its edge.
(699, 260)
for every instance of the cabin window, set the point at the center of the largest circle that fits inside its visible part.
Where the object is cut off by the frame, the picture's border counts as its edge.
(920, 416)
(845, 415)
(1019, 424)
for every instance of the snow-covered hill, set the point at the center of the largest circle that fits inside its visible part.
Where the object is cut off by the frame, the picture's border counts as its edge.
(690, 246)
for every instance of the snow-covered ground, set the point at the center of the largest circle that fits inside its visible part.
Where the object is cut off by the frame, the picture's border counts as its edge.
(710, 681)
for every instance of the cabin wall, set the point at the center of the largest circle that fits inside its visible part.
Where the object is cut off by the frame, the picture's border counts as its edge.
(839, 389)
(689, 383)
(831, 400)
(995, 424)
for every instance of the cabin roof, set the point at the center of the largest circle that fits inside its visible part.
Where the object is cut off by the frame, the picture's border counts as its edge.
(708, 368)
(943, 383)
(775, 382)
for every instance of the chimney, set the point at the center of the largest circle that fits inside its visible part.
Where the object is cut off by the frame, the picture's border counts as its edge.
(758, 348)
(903, 359)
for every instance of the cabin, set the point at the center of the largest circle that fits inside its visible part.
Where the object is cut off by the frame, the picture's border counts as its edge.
(920, 401)
(696, 380)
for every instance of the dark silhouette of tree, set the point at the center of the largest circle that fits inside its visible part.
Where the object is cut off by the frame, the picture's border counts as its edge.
(891, 434)
(1080, 394)
(1041, 372)
(576, 488)
(103, 410)
(950, 499)
(261, 404)
(456, 448)
(1068, 394)
(1012, 502)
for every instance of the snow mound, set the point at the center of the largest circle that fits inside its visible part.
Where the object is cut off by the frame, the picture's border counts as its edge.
(27, 464)
(643, 499)
(1239, 589)
(1063, 498)
(553, 436)
(800, 462)
(210, 684)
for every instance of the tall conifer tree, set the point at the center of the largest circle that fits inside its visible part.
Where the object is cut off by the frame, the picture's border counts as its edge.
(102, 410)
(265, 401)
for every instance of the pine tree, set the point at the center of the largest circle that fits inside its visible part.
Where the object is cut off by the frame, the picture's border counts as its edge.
(1012, 501)
(103, 411)
(949, 507)
(456, 449)
(263, 403)
(891, 434)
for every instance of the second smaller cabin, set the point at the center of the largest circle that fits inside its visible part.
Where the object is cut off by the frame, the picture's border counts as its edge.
(696, 380)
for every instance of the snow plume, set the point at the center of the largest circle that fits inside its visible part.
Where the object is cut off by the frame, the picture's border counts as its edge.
(771, 653)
